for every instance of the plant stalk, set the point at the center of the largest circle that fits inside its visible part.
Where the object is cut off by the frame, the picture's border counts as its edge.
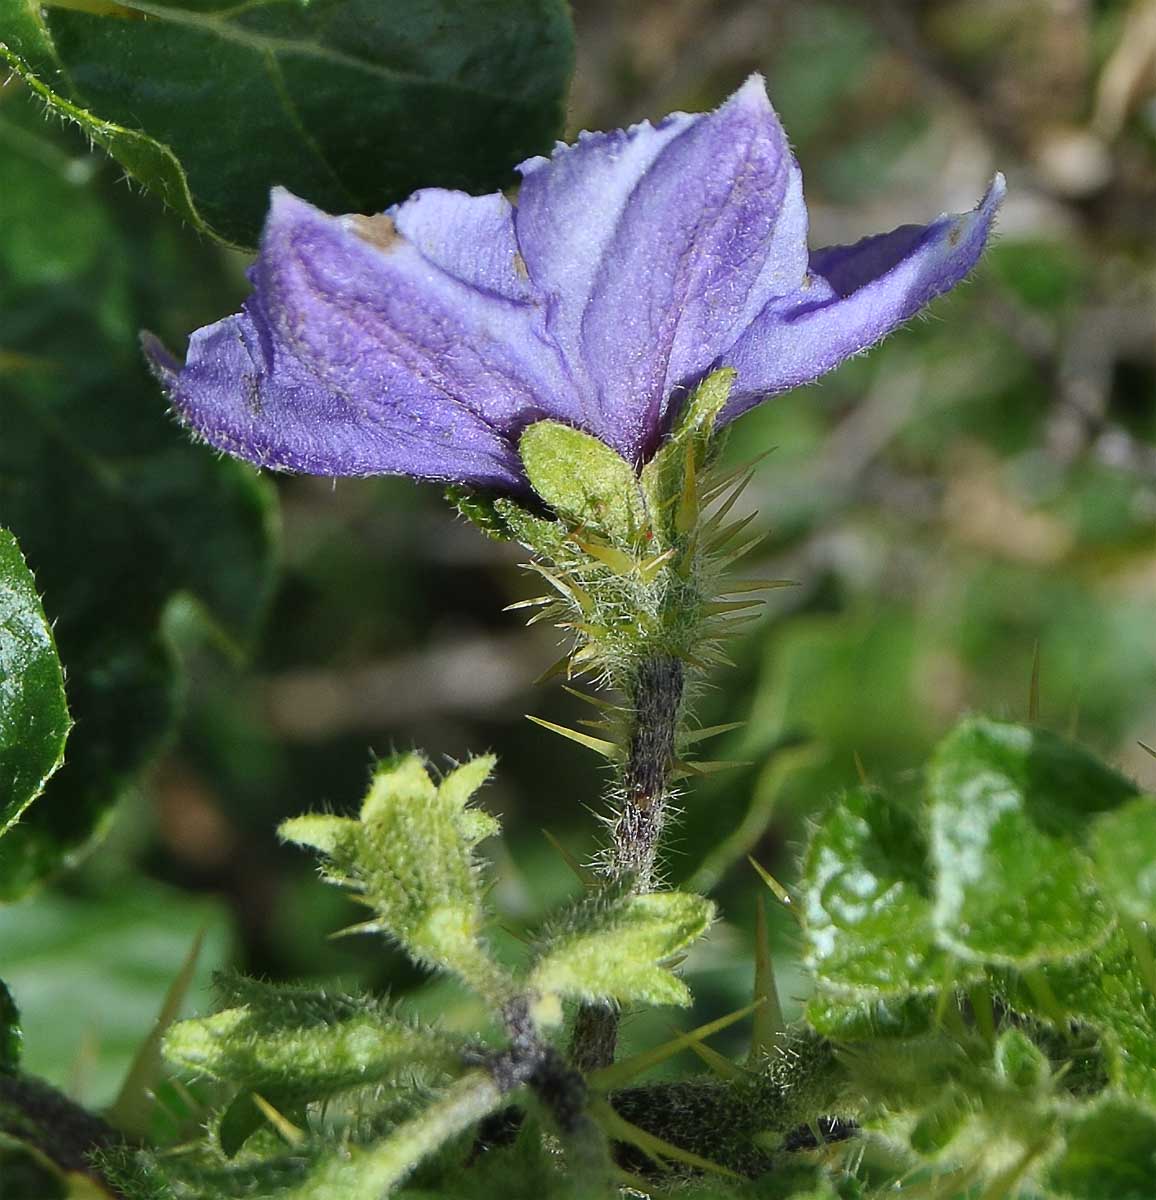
(656, 697)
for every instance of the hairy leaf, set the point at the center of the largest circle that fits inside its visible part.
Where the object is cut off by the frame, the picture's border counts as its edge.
(1109, 1154)
(609, 950)
(1009, 809)
(350, 103)
(33, 713)
(306, 1043)
(10, 1035)
(90, 975)
(1108, 991)
(410, 857)
(116, 512)
(865, 900)
(1124, 848)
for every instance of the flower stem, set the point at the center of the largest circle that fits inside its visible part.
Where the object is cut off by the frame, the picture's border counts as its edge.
(656, 704)
(656, 696)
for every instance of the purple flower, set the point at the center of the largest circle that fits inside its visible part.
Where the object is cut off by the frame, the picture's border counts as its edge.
(425, 340)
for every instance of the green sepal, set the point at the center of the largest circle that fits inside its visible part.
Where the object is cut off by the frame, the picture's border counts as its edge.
(583, 480)
(307, 1044)
(1009, 808)
(410, 856)
(689, 448)
(608, 949)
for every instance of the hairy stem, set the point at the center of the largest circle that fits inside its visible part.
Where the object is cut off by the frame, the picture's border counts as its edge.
(656, 703)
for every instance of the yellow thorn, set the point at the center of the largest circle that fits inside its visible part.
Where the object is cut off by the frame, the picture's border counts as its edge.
(718, 1063)
(617, 560)
(710, 767)
(698, 735)
(597, 702)
(279, 1121)
(1034, 686)
(607, 749)
(620, 1129)
(718, 608)
(769, 1024)
(528, 603)
(618, 1074)
(729, 532)
(686, 515)
(650, 567)
(557, 668)
(570, 590)
(861, 770)
(778, 891)
(585, 877)
(755, 585)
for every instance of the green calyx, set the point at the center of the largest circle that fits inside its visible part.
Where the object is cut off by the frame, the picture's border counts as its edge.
(635, 561)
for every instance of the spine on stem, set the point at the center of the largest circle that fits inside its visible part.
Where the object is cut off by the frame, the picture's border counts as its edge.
(636, 566)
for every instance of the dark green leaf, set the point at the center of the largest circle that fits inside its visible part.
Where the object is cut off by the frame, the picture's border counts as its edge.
(115, 511)
(1124, 848)
(1009, 806)
(1108, 991)
(10, 1035)
(350, 103)
(1110, 1154)
(865, 900)
(33, 714)
(90, 976)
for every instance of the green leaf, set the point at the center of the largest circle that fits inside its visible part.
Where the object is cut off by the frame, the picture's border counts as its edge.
(90, 975)
(11, 1038)
(584, 480)
(609, 950)
(33, 714)
(117, 514)
(1109, 1154)
(410, 856)
(373, 1170)
(859, 1020)
(305, 1043)
(865, 900)
(1009, 807)
(351, 103)
(1106, 990)
(1124, 850)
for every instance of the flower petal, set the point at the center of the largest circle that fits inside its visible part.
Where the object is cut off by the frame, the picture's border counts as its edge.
(468, 237)
(363, 350)
(252, 399)
(854, 296)
(655, 247)
(367, 313)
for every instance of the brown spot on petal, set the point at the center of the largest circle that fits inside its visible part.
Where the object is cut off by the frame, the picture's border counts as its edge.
(378, 230)
(520, 268)
(956, 233)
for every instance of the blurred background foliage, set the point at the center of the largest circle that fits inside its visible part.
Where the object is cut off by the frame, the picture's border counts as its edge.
(982, 485)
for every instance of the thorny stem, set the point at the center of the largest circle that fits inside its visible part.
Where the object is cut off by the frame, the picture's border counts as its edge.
(656, 704)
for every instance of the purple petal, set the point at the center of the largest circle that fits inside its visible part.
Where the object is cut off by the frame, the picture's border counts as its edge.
(656, 247)
(363, 352)
(252, 399)
(852, 297)
(468, 237)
